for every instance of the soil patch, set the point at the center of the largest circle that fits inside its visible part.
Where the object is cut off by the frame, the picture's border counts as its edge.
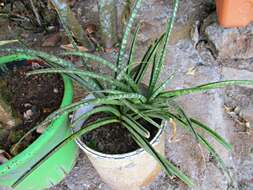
(114, 138)
(33, 98)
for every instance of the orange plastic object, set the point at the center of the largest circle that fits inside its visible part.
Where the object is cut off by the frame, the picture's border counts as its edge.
(234, 13)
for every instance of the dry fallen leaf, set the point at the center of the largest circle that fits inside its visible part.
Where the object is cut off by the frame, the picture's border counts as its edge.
(235, 114)
(70, 47)
(51, 40)
(174, 127)
(247, 124)
(90, 28)
(110, 50)
(146, 26)
(4, 156)
(5, 42)
(191, 71)
(41, 130)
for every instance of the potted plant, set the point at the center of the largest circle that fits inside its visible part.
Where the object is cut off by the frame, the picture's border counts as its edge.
(121, 104)
(234, 13)
(17, 160)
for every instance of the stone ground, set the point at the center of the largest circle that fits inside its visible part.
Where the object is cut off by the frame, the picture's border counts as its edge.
(200, 51)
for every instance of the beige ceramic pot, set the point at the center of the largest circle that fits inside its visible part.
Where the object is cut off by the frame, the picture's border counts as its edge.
(130, 171)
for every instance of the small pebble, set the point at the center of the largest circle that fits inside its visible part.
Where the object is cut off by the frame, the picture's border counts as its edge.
(56, 90)
(27, 105)
(28, 114)
(36, 65)
(40, 130)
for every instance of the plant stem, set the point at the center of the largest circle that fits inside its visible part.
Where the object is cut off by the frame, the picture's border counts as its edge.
(108, 22)
(35, 11)
(68, 17)
(125, 15)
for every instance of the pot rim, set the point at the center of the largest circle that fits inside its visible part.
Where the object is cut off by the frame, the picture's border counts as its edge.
(86, 149)
(28, 153)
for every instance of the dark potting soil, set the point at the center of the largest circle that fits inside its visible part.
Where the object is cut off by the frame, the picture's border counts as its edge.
(113, 138)
(33, 98)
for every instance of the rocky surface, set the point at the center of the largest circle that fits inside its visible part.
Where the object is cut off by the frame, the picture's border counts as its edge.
(236, 43)
(200, 51)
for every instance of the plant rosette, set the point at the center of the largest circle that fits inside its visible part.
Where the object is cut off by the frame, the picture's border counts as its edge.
(128, 170)
(54, 169)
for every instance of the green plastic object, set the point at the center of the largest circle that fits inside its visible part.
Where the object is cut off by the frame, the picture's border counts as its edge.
(53, 170)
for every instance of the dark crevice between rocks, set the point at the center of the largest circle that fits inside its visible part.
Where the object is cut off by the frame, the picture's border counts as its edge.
(200, 38)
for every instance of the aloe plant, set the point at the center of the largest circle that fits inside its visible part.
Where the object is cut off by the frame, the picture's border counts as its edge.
(121, 97)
